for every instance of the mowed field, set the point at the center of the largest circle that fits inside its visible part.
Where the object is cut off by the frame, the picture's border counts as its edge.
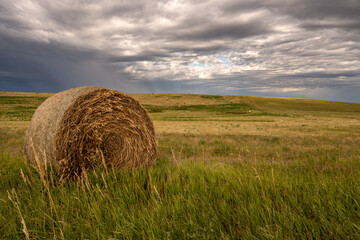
(228, 167)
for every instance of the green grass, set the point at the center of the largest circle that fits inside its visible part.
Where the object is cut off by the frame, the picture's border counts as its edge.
(18, 107)
(212, 97)
(203, 186)
(191, 200)
(232, 108)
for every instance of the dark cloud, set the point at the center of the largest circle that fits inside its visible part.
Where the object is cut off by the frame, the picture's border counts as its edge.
(196, 49)
(301, 9)
(321, 9)
(324, 75)
(33, 66)
(145, 56)
(275, 48)
(346, 25)
(228, 31)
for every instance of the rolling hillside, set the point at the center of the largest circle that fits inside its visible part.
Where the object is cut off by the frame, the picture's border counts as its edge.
(20, 106)
(228, 167)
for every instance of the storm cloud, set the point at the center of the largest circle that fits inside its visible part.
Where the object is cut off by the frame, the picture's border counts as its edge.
(294, 48)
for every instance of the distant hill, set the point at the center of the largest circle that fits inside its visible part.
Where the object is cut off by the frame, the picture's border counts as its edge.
(268, 104)
(262, 104)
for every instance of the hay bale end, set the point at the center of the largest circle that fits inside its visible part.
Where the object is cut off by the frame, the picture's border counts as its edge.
(81, 128)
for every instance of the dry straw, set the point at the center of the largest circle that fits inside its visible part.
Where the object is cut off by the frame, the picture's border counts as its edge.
(84, 127)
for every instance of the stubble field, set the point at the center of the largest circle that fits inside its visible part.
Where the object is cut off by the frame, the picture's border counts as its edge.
(228, 167)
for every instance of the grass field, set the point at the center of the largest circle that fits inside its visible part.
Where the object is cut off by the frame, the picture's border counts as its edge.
(228, 167)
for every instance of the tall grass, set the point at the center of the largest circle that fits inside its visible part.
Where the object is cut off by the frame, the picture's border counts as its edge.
(188, 200)
(203, 186)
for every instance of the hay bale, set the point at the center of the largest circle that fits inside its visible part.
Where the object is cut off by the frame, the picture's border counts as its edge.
(83, 127)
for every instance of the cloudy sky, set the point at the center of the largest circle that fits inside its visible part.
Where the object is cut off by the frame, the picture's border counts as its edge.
(284, 48)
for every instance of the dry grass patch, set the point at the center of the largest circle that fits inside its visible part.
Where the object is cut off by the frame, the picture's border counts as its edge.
(24, 94)
(188, 99)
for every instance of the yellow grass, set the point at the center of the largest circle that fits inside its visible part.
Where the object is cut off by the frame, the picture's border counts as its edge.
(165, 99)
(303, 117)
(17, 125)
(24, 94)
(264, 126)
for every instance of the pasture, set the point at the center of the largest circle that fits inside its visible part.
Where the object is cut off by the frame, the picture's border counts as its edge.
(228, 167)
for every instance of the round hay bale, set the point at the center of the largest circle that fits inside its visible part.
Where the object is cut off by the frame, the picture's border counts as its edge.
(80, 128)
